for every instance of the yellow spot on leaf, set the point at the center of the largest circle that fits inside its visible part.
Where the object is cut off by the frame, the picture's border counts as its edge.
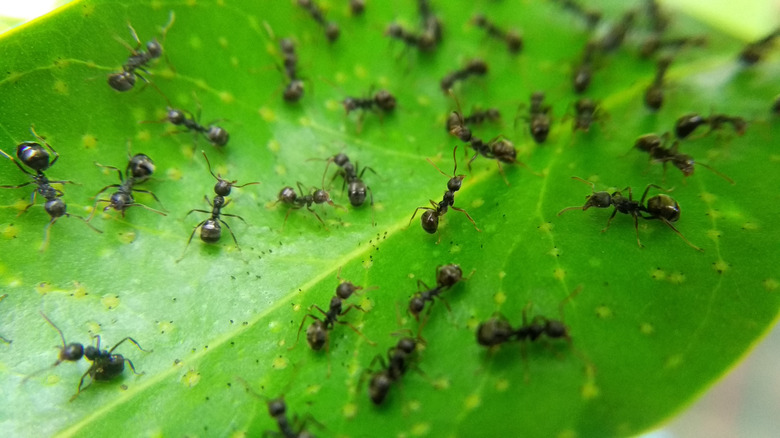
(567, 433)
(165, 327)
(677, 278)
(60, 87)
(501, 274)
(79, 290)
(770, 284)
(20, 204)
(10, 231)
(234, 61)
(110, 301)
(269, 116)
(367, 264)
(226, 97)
(43, 288)
(646, 328)
(127, 237)
(499, 298)
(472, 402)
(589, 391)
(195, 42)
(502, 385)
(280, 363)
(472, 323)
(441, 384)
(603, 312)
(52, 379)
(423, 101)
(715, 214)
(658, 274)
(223, 42)
(340, 77)
(555, 252)
(421, 429)
(750, 226)
(280, 170)
(89, 141)
(413, 405)
(143, 135)
(349, 411)
(360, 71)
(313, 389)
(559, 273)
(713, 234)
(546, 227)
(333, 105)
(721, 266)
(274, 145)
(190, 378)
(174, 174)
(673, 361)
(709, 198)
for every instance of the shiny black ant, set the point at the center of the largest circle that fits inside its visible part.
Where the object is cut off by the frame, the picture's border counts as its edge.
(755, 51)
(583, 72)
(614, 37)
(661, 207)
(477, 117)
(512, 39)
(331, 28)
(314, 196)
(654, 94)
(591, 17)
(654, 145)
(105, 365)
(392, 369)
(538, 117)
(215, 135)
(139, 168)
(446, 277)
(210, 229)
(475, 67)
(430, 217)
(37, 158)
(293, 91)
(277, 408)
(356, 188)
(125, 79)
(382, 99)
(411, 39)
(72, 352)
(587, 111)
(688, 123)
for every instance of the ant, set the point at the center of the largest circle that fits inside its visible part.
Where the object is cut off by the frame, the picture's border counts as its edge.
(383, 100)
(686, 124)
(538, 118)
(357, 7)
(423, 42)
(584, 70)
(331, 29)
(37, 158)
(654, 145)
(661, 207)
(446, 277)
(617, 33)
(587, 111)
(753, 52)
(475, 67)
(391, 370)
(125, 80)
(476, 117)
(72, 352)
(512, 39)
(654, 43)
(216, 135)
(356, 188)
(431, 34)
(139, 168)
(277, 408)
(591, 17)
(316, 196)
(105, 365)
(654, 95)
(210, 230)
(293, 91)
(430, 217)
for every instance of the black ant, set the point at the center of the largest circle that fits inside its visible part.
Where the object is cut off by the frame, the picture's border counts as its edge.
(210, 230)
(654, 43)
(454, 120)
(446, 277)
(591, 17)
(753, 52)
(315, 196)
(430, 217)
(139, 168)
(105, 365)
(357, 7)
(583, 73)
(512, 39)
(475, 67)
(72, 352)
(293, 91)
(431, 33)
(382, 99)
(216, 135)
(617, 33)
(391, 370)
(661, 207)
(125, 79)
(331, 29)
(587, 111)
(356, 188)
(654, 94)
(688, 123)
(538, 118)
(654, 145)
(277, 408)
(37, 158)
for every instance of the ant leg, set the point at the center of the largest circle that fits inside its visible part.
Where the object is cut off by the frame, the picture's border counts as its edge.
(357, 331)
(106, 188)
(119, 172)
(153, 196)
(669, 224)
(415, 214)
(467, 216)
(318, 218)
(563, 302)
(136, 204)
(231, 234)
(17, 187)
(131, 340)
(199, 211)
(298, 337)
(192, 234)
(636, 228)
(81, 387)
(722, 175)
(501, 170)
(132, 367)
(234, 215)
(45, 243)
(371, 198)
(609, 221)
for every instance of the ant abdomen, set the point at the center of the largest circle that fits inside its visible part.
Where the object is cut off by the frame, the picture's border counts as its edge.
(494, 331)
(430, 221)
(663, 206)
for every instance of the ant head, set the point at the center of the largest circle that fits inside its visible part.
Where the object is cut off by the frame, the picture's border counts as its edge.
(217, 136)
(140, 166)
(479, 20)
(494, 331)
(317, 335)
(648, 142)
(455, 182)
(379, 386)
(664, 207)
(176, 116)
(598, 200)
(91, 353)
(430, 221)
(33, 155)
(287, 195)
(385, 100)
(537, 97)
(277, 407)
(394, 30)
(685, 163)
(72, 352)
(120, 201)
(556, 329)
(55, 208)
(585, 105)
(346, 289)
(356, 191)
(448, 275)
(122, 81)
(210, 231)
(350, 104)
(416, 305)
(293, 91)
(154, 48)
(332, 31)
(654, 98)
(407, 345)
(321, 197)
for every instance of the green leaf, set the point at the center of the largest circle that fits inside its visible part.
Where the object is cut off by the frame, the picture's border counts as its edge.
(652, 328)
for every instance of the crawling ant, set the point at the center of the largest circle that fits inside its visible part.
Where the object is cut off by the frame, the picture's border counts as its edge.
(538, 118)
(315, 196)
(37, 158)
(755, 51)
(688, 123)
(475, 67)
(584, 70)
(475, 118)
(72, 352)
(382, 100)
(654, 145)
(210, 230)
(293, 91)
(125, 79)
(446, 277)
(512, 39)
(356, 188)
(277, 408)
(617, 33)
(430, 217)
(661, 207)
(331, 28)
(391, 370)
(654, 95)
(431, 33)
(586, 112)
(215, 135)
(105, 365)
(654, 43)
(591, 17)
(139, 168)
